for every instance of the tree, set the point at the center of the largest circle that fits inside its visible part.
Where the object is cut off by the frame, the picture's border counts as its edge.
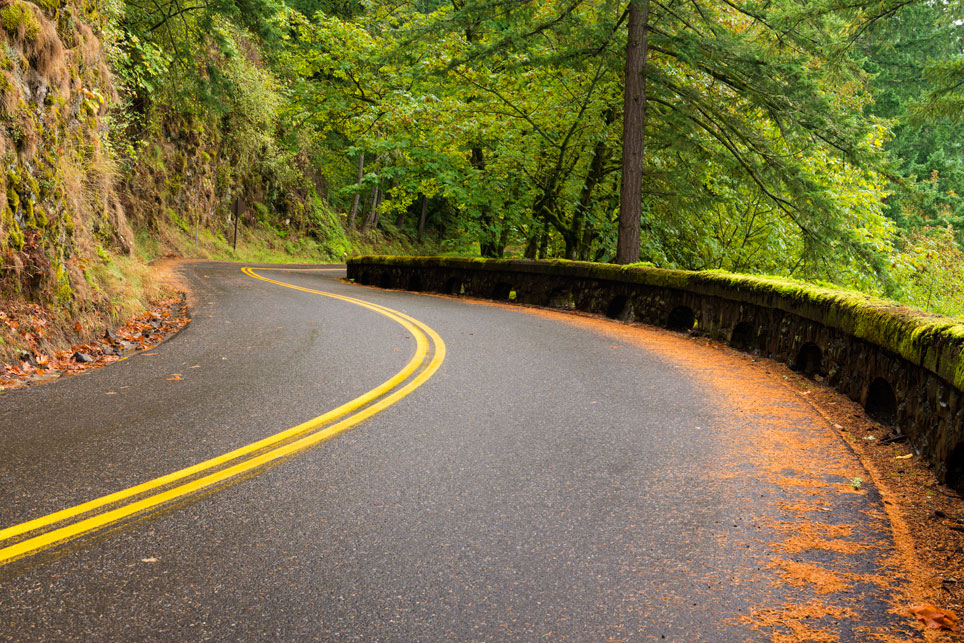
(634, 134)
(912, 55)
(740, 122)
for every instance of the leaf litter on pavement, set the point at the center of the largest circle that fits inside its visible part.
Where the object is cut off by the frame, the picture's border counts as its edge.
(810, 547)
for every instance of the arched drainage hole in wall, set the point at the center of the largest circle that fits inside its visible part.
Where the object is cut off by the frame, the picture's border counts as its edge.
(681, 318)
(561, 298)
(618, 308)
(453, 287)
(362, 278)
(385, 281)
(955, 469)
(743, 337)
(502, 291)
(809, 360)
(415, 283)
(881, 402)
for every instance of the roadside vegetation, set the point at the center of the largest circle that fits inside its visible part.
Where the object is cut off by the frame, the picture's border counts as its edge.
(818, 141)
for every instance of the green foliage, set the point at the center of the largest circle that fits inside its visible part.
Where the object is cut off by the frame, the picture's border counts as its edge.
(768, 132)
(778, 135)
(912, 55)
(930, 269)
(753, 163)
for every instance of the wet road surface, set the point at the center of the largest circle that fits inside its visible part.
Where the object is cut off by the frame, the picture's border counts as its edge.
(556, 478)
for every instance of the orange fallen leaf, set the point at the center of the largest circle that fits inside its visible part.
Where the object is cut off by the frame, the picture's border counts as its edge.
(934, 618)
(176, 377)
(77, 327)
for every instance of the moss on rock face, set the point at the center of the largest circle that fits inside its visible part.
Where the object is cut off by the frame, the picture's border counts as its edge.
(57, 178)
(18, 18)
(14, 238)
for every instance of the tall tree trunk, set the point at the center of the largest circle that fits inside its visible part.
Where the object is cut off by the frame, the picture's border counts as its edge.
(379, 199)
(544, 209)
(503, 239)
(597, 172)
(544, 241)
(581, 232)
(354, 204)
(588, 234)
(487, 245)
(421, 218)
(634, 132)
(372, 219)
(532, 245)
(387, 195)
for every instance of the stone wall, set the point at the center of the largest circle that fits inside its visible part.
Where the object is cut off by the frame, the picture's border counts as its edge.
(906, 367)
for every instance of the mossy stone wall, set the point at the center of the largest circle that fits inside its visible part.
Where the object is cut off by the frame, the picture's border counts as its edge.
(905, 366)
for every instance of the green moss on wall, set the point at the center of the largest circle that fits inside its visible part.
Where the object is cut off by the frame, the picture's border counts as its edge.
(931, 341)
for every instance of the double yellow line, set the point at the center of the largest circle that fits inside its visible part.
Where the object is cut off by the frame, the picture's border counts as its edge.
(30, 537)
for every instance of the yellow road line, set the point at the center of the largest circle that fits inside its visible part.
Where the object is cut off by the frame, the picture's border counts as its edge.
(341, 411)
(304, 269)
(68, 532)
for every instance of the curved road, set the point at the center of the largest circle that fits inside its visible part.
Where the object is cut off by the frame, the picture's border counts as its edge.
(521, 475)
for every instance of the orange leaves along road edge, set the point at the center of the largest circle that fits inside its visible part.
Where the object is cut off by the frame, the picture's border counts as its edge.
(166, 317)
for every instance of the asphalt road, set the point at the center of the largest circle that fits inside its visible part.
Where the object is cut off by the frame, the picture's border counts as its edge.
(543, 479)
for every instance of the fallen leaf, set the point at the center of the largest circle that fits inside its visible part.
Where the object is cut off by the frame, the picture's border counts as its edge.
(177, 376)
(78, 328)
(904, 457)
(149, 560)
(934, 617)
